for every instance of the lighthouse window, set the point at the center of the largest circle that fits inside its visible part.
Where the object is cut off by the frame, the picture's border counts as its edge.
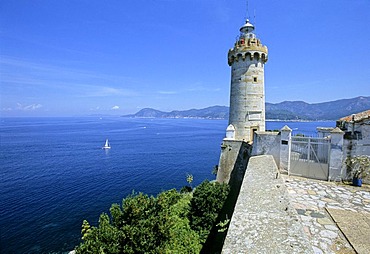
(255, 79)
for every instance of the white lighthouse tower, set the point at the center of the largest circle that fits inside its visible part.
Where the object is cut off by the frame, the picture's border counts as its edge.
(247, 104)
(247, 97)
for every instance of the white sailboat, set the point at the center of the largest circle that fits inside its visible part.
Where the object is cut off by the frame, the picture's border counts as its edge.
(106, 146)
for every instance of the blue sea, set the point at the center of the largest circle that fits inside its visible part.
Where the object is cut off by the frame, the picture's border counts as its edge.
(54, 172)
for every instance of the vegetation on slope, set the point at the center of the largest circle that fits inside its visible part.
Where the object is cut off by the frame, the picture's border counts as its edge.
(172, 222)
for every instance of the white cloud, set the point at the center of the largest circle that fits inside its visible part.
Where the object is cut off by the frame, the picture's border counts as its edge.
(79, 82)
(167, 92)
(115, 107)
(97, 108)
(28, 107)
(196, 88)
(203, 89)
(102, 91)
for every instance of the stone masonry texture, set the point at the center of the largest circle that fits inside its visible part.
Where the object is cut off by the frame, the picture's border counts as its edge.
(335, 216)
(263, 219)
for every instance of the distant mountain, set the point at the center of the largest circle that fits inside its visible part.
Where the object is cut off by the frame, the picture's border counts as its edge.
(332, 110)
(287, 110)
(215, 112)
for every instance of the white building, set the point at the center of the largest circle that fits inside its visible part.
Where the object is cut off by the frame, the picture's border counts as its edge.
(357, 133)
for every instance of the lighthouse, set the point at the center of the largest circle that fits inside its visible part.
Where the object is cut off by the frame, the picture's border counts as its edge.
(247, 97)
(247, 104)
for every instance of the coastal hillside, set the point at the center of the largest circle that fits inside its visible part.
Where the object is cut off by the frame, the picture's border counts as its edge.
(287, 110)
(331, 110)
(215, 112)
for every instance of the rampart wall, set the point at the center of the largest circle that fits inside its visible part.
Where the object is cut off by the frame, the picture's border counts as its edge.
(263, 220)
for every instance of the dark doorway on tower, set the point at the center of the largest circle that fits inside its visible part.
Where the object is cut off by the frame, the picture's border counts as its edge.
(253, 130)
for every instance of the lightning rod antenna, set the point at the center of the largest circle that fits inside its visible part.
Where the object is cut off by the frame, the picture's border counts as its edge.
(247, 9)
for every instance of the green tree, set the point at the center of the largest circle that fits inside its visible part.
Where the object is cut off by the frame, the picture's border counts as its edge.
(189, 179)
(103, 239)
(208, 199)
(143, 225)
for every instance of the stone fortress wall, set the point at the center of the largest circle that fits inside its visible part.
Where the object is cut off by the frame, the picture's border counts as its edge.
(263, 220)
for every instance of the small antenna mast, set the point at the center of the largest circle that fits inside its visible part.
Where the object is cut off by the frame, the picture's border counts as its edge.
(247, 9)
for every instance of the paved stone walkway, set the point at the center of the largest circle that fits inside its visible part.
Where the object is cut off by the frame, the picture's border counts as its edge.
(264, 220)
(329, 213)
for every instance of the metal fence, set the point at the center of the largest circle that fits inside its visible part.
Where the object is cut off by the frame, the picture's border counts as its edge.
(310, 157)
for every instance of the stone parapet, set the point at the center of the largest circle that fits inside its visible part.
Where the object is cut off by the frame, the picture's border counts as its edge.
(285, 148)
(267, 143)
(258, 53)
(336, 154)
(233, 161)
(263, 220)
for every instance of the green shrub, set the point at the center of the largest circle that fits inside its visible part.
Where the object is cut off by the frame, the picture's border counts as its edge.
(143, 225)
(208, 199)
(172, 222)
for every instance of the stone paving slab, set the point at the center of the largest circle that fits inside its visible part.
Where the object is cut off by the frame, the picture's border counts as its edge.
(355, 226)
(314, 199)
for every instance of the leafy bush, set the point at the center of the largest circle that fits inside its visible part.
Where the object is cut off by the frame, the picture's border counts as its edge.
(208, 199)
(359, 166)
(186, 189)
(172, 222)
(143, 225)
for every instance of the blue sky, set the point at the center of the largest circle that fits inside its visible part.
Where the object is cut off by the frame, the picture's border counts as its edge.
(66, 58)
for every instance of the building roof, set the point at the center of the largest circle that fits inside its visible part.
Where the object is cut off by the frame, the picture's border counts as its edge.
(357, 117)
(286, 128)
(337, 130)
(247, 27)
